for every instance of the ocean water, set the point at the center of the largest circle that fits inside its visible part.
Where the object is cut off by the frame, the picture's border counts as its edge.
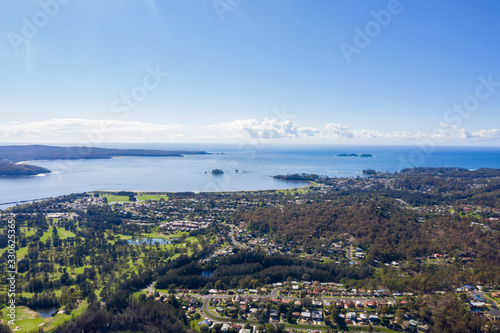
(245, 167)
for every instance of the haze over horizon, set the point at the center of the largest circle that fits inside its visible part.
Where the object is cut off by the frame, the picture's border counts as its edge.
(232, 71)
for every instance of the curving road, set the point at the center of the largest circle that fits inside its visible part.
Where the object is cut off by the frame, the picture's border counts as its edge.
(205, 311)
(233, 239)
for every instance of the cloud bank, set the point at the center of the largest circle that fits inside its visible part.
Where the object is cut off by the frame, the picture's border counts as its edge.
(276, 129)
(77, 130)
(267, 129)
(272, 130)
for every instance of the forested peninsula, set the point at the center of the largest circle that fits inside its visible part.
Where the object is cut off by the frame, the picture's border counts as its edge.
(14, 170)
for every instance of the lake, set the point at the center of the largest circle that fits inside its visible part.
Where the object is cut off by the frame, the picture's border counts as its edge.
(149, 241)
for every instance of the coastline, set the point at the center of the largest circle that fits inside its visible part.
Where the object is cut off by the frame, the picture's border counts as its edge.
(14, 203)
(110, 157)
(186, 175)
(311, 183)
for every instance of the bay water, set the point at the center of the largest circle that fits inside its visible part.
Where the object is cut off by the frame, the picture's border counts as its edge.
(245, 168)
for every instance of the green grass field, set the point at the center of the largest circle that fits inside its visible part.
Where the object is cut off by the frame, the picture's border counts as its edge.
(21, 253)
(30, 320)
(194, 324)
(115, 198)
(142, 197)
(46, 235)
(176, 234)
(28, 231)
(302, 190)
(63, 234)
(152, 197)
(155, 235)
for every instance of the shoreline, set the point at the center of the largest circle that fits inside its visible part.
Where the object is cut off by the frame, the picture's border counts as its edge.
(100, 158)
(14, 203)
(311, 183)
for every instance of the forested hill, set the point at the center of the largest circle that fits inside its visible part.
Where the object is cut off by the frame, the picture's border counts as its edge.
(40, 152)
(14, 170)
(419, 186)
(419, 172)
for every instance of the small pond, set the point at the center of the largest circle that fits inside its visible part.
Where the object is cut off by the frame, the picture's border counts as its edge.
(148, 241)
(44, 313)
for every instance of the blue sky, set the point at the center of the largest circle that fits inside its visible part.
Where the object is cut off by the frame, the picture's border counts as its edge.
(283, 71)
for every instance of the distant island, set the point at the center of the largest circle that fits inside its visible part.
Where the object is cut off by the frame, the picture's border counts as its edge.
(355, 155)
(217, 172)
(11, 155)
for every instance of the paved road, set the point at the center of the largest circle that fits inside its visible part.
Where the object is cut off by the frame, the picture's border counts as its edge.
(210, 315)
(274, 294)
(494, 311)
(231, 234)
(206, 312)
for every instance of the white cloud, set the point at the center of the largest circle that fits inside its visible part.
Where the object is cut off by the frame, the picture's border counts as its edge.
(333, 130)
(267, 129)
(91, 131)
(493, 134)
(235, 128)
(338, 130)
(78, 130)
(444, 131)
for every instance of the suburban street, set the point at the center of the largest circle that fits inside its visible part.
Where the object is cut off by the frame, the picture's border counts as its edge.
(206, 299)
(233, 238)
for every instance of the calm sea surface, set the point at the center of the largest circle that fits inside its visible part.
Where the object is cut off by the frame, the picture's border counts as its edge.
(245, 168)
